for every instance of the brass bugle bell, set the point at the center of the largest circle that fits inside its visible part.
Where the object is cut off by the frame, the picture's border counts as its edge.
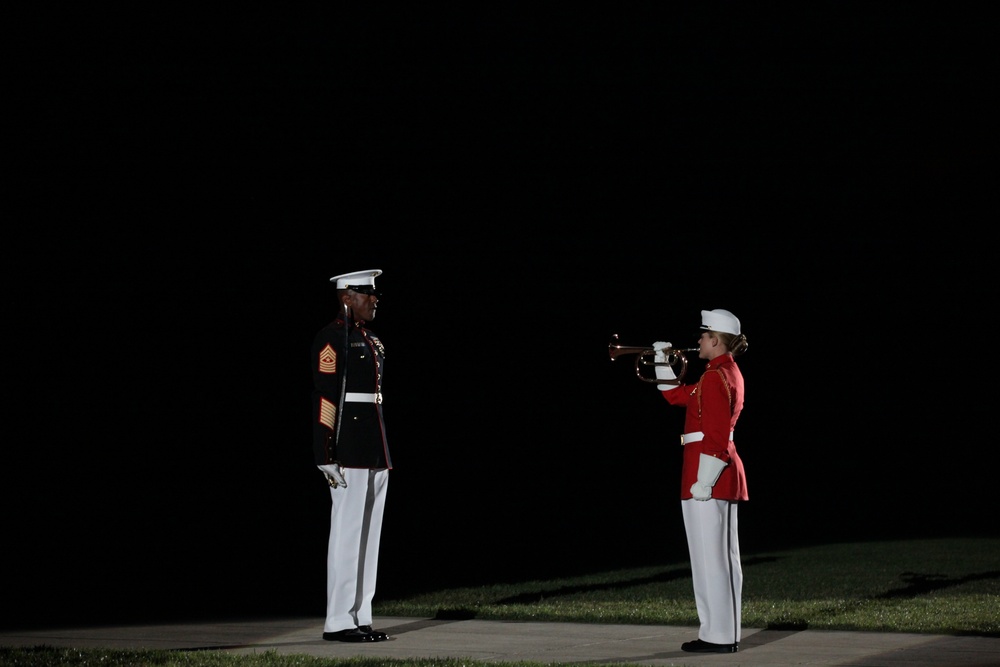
(645, 357)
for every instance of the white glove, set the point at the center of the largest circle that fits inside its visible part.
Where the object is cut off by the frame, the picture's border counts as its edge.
(660, 346)
(334, 474)
(709, 469)
(663, 372)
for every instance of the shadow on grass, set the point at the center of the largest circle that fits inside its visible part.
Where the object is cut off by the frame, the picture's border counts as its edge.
(918, 584)
(548, 594)
(915, 585)
(535, 597)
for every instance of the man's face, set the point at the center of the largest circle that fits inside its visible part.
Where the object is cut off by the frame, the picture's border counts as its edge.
(363, 305)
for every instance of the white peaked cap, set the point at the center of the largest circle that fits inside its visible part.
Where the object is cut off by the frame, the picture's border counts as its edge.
(720, 320)
(359, 278)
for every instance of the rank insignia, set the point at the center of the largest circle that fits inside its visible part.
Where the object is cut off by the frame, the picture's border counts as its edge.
(328, 360)
(327, 413)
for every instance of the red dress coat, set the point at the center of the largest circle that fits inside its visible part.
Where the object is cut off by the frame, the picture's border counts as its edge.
(713, 406)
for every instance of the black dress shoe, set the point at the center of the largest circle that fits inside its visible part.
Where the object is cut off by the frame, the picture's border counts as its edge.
(377, 634)
(350, 635)
(698, 646)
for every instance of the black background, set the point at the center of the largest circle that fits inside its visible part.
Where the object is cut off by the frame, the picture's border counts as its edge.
(531, 181)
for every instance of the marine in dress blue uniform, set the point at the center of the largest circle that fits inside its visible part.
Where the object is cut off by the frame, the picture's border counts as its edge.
(351, 450)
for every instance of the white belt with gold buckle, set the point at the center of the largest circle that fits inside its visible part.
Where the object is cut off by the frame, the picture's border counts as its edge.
(697, 436)
(359, 397)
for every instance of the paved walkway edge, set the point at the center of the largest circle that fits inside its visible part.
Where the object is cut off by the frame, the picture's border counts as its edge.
(509, 641)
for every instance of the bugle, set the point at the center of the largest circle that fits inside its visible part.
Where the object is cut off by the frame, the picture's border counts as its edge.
(674, 357)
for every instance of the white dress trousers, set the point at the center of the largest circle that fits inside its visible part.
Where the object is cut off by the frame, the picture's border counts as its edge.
(352, 555)
(714, 546)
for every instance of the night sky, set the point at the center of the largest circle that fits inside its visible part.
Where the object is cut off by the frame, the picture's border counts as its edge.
(530, 182)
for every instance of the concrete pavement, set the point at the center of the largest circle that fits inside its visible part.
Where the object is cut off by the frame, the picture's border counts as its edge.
(509, 641)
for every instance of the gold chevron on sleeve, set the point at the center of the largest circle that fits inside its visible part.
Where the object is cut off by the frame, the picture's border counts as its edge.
(328, 360)
(327, 413)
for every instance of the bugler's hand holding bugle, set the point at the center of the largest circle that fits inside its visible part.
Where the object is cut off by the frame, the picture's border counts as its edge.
(671, 356)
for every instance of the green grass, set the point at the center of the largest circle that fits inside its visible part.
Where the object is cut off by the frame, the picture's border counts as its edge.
(946, 586)
(924, 586)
